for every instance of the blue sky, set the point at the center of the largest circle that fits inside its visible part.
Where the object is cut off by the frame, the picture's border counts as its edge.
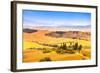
(51, 18)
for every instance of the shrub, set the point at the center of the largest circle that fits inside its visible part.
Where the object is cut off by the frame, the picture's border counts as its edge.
(54, 45)
(46, 50)
(45, 59)
(59, 51)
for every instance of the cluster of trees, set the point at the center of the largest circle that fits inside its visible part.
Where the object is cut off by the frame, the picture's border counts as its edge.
(65, 47)
(70, 48)
(74, 46)
(62, 49)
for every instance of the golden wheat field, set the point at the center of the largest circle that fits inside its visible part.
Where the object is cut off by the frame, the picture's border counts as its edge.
(40, 46)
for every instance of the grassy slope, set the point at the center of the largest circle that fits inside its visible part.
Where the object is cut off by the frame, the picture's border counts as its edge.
(35, 55)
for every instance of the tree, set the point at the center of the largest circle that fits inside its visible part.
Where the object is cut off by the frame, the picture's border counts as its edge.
(80, 47)
(75, 47)
(63, 46)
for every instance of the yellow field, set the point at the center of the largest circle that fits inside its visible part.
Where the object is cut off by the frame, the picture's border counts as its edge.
(33, 41)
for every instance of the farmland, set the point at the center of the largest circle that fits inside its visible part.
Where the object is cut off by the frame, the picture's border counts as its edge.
(45, 45)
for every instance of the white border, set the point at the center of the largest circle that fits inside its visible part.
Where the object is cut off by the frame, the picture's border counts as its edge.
(34, 65)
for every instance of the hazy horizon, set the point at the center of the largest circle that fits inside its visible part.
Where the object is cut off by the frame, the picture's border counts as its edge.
(33, 18)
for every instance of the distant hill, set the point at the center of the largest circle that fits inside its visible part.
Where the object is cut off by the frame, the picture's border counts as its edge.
(62, 28)
(70, 34)
(29, 30)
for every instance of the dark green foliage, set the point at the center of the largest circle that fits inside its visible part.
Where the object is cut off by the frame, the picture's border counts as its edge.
(46, 50)
(63, 46)
(30, 48)
(80, 47)
(45, 59)
(50, 45)
(54, 45)
(75, 47)
(60, 51)
(29, 30)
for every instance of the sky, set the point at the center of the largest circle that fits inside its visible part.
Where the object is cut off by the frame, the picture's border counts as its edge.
(55, 18)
